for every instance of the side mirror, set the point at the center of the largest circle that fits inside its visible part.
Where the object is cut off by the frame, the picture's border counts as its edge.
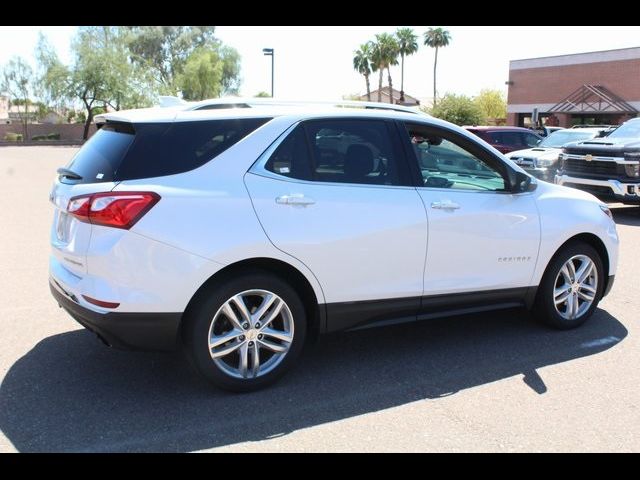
(524, 183)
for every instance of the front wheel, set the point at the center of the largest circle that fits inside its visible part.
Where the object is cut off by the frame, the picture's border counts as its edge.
(571, 287)
(246, 332)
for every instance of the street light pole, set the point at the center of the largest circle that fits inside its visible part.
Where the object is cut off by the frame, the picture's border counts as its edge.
(270, 52)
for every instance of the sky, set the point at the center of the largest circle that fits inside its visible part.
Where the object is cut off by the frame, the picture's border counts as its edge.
(315, 63)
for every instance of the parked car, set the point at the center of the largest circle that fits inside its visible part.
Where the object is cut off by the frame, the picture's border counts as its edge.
(225, 234)
(607, 167)
(542, 161)
(507, 139)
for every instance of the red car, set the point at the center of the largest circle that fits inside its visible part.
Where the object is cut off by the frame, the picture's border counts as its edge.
(507, 139)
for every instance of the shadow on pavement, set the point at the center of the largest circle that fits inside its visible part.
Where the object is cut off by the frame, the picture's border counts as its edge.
(70, 393)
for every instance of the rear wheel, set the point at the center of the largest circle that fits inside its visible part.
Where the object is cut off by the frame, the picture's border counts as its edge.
(247, 332)
(571, 287)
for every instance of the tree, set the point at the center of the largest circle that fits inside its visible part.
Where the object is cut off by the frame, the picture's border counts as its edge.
(166, 51)
(230, 70)
(384, 54)
(101, 74)
(492, 103)
(436, 38)
(362, 64)
(458, 109)
(407, 45)
(202, 75)
(17, 81)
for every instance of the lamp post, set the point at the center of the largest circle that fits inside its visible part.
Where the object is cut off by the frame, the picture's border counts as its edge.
(269, 52)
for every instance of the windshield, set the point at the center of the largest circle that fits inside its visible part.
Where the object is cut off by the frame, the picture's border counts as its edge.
(561, 137)
(627, 130)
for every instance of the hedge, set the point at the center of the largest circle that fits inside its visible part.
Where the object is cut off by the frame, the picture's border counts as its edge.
(13, 137)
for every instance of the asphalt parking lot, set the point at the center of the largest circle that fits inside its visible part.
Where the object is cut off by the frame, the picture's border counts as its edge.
(490, 382)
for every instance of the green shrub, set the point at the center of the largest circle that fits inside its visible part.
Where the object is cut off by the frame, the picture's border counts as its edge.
(39, 137)
(13, 137)
(458, 109)
(53, 136)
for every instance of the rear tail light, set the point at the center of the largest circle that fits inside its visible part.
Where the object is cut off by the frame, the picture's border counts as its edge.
(112, 209)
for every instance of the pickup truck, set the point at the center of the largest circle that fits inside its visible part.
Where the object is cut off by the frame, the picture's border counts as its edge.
(607, 167)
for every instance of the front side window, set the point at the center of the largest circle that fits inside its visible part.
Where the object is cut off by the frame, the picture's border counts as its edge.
(444, 162)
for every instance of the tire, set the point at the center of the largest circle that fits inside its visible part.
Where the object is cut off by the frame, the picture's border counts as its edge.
(554, 286)
(212, 319)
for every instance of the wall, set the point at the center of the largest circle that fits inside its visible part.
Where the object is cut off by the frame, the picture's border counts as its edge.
(553, 84)
(68, 132)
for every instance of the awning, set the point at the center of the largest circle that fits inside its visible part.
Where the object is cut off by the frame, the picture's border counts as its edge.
(592, 98)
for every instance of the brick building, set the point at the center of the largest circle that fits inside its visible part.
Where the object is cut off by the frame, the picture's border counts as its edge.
(583, 88)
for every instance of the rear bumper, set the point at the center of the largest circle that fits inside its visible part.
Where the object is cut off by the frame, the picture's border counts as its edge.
(605, 189)
(128, 331)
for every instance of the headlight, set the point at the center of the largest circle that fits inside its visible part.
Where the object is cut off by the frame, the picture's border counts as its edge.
(606, 211)
(632, 169)
(546, 161)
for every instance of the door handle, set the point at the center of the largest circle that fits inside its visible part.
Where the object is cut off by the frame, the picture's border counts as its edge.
(294, 199)
(445, 205)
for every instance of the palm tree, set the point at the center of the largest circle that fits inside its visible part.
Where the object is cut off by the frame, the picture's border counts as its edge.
(436, 38)
(385, 53)
(362, 64)
(407, 45)
(377, 62)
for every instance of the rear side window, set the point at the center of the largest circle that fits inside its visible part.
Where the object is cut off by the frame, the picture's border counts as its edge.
(120, 152)
(506, 138)
(291, 158)
(353, 151)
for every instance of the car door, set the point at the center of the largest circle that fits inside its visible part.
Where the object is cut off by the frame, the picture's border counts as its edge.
(336, 194)
(482, 238)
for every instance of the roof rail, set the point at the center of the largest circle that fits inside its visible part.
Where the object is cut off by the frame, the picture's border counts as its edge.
(232, 101)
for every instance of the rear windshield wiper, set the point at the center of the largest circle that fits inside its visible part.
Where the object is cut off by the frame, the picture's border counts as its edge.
(65, 172)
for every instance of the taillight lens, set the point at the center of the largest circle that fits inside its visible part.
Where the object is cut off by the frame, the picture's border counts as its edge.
(112, 209)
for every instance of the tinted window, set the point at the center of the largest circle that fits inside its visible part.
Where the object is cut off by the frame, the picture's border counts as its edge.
(506, 138)
(446, 163)
(100, 157)
(291, 158)
(117, 153)
(353, 151)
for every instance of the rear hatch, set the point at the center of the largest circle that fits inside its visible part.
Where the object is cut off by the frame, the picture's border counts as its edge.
(120, 152)
(91, 170)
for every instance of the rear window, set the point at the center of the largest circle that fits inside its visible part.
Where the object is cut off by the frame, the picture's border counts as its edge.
(120, 151)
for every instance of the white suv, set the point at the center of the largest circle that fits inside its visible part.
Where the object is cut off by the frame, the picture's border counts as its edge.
(238, 234)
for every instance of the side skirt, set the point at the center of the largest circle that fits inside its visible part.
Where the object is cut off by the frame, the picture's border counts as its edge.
(370, 313)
